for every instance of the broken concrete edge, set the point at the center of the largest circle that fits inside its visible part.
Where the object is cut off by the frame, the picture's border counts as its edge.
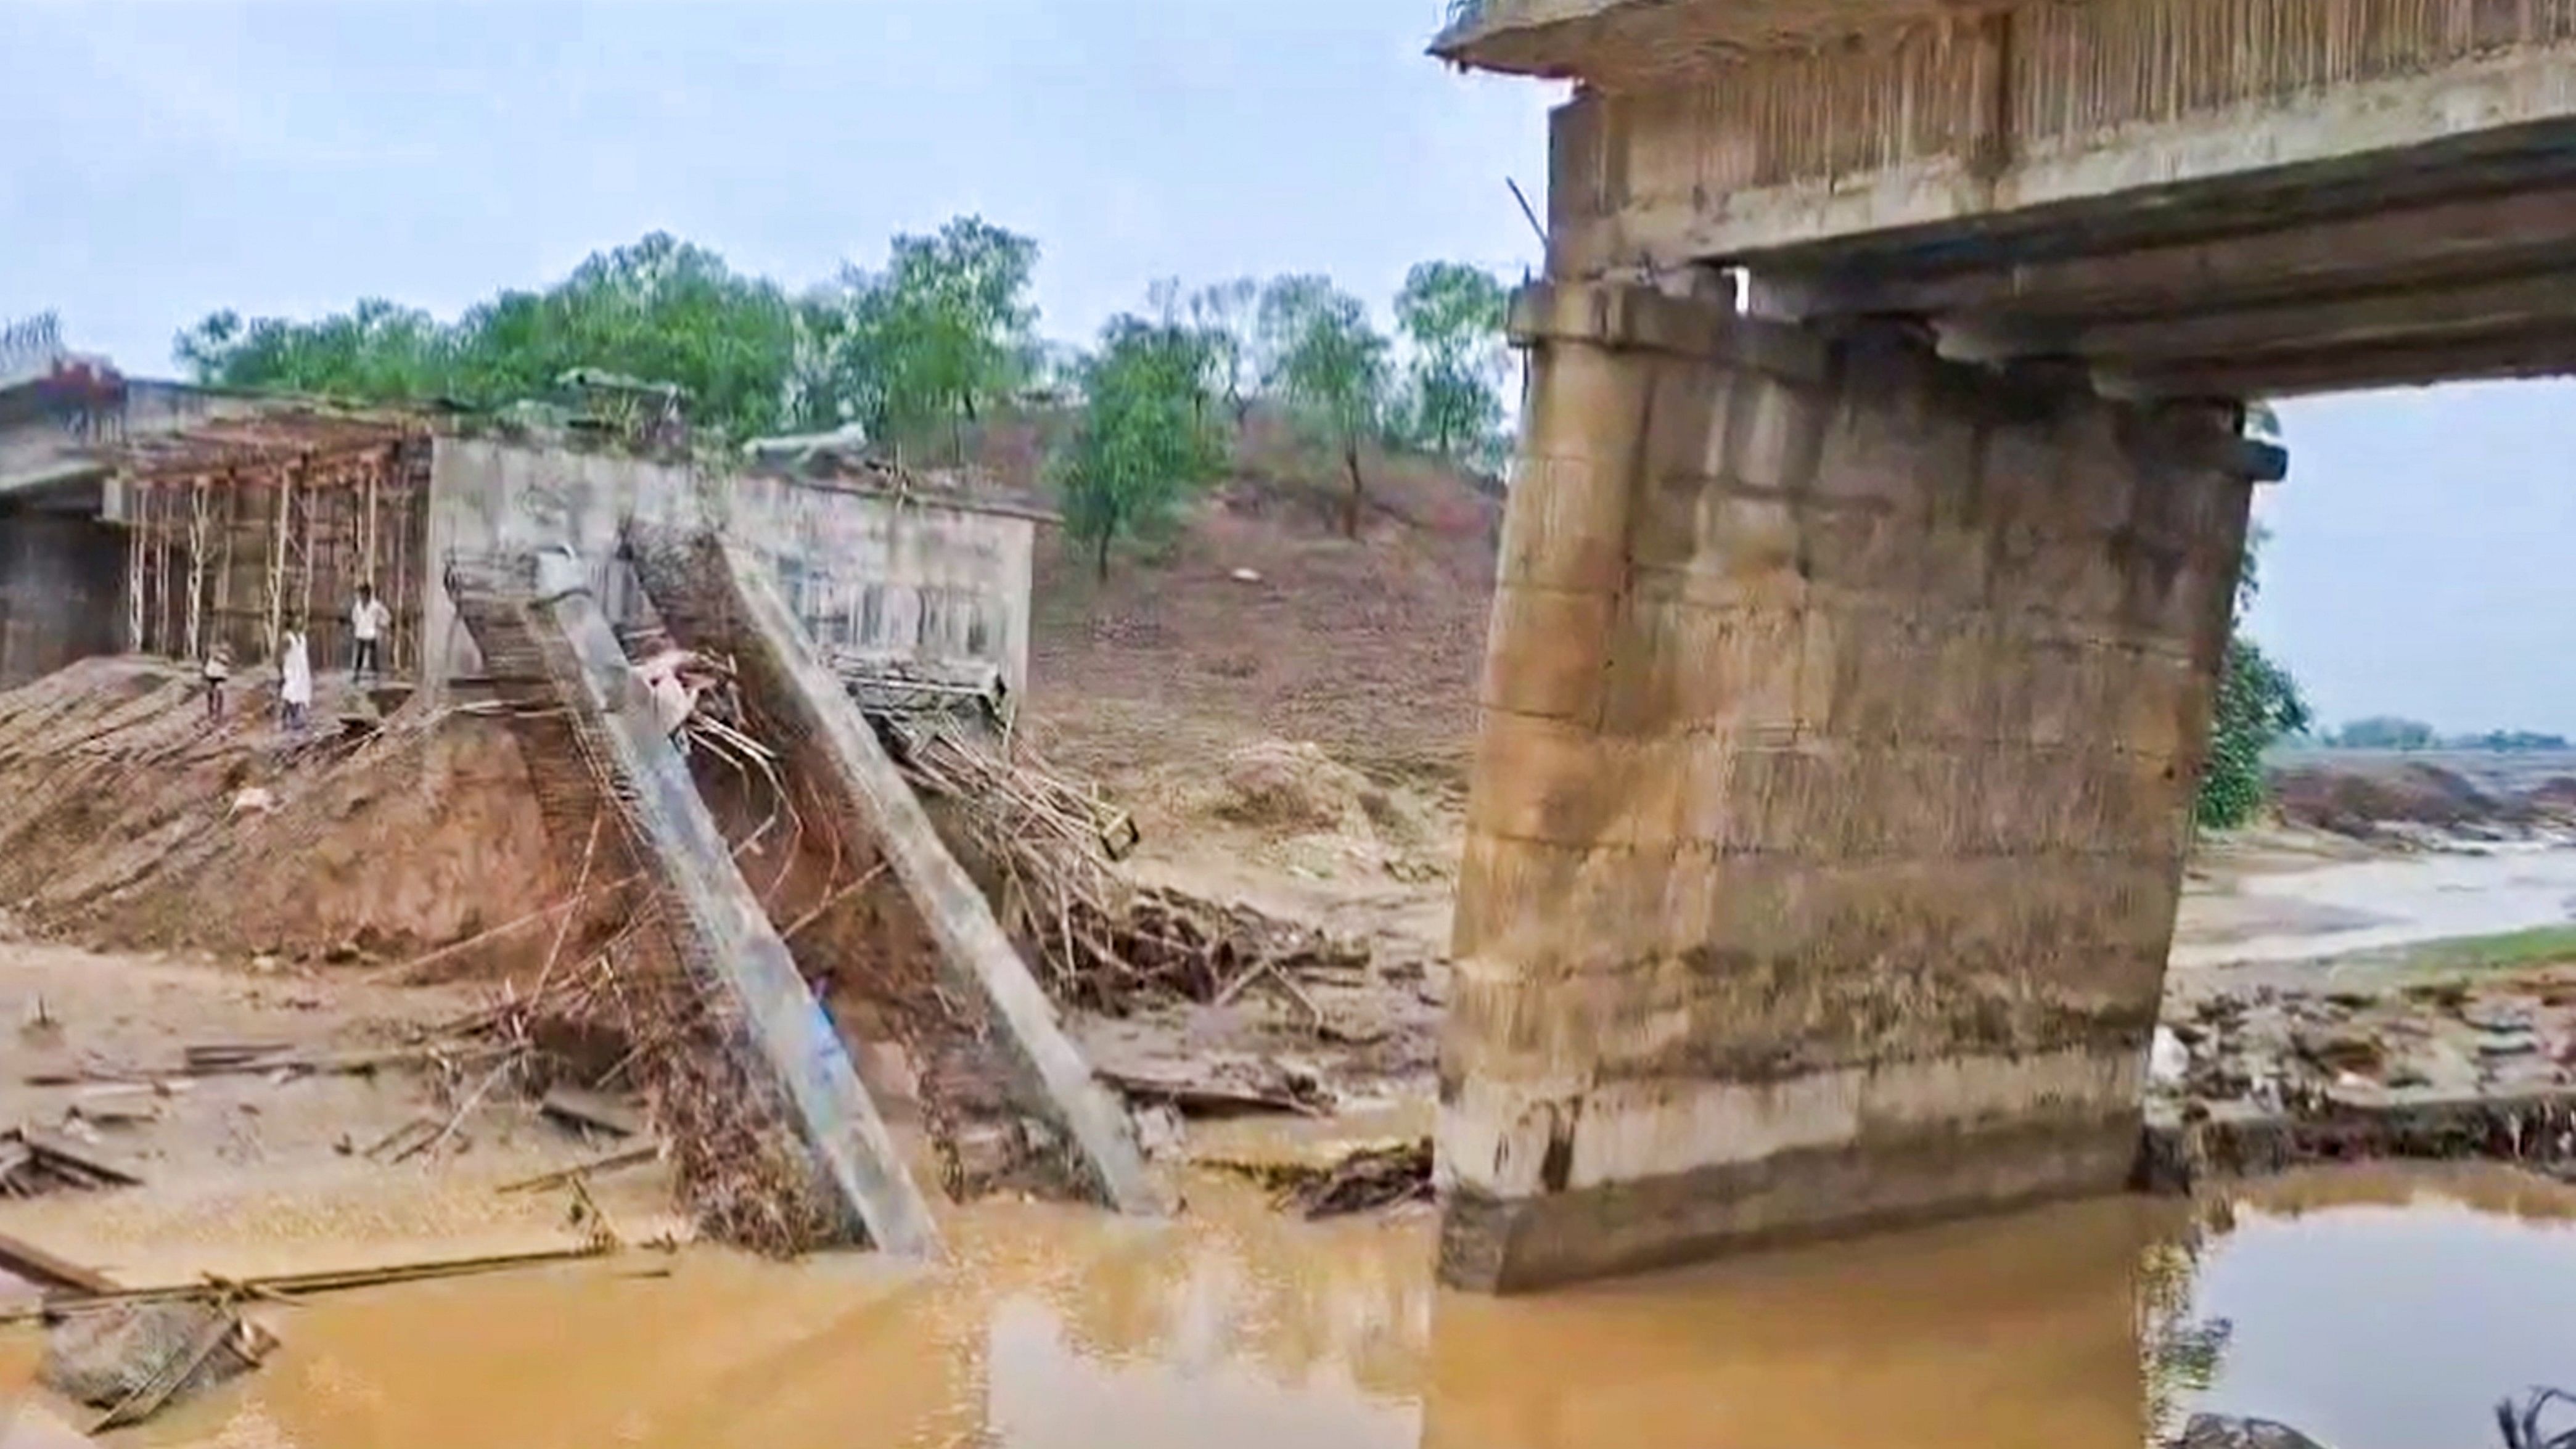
(1626, 317)
(973, 948)
(732, 938)
(2529, 1128)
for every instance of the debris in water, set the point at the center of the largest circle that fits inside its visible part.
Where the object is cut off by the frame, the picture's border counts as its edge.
(1366, 1180)
(1362, 1177)
(134, 1359)
(1220, 1086)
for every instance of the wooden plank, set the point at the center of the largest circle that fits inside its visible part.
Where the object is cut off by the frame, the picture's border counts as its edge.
(594, 1110)
(75, 1300)
(43, 1269)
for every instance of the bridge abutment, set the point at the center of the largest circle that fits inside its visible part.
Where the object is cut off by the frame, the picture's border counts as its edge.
(1841, 714)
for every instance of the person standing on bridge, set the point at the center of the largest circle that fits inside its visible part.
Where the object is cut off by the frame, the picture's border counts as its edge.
(368, 620)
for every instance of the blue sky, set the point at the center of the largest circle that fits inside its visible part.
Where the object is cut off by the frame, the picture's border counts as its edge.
(168, 157)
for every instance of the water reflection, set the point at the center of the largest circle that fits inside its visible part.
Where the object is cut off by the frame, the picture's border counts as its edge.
(2366, 1322)
(2380, 1310)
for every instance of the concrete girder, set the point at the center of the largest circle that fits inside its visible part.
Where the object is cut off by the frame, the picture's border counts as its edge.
(2545, 352)
(2464, 239)
(2430, 315)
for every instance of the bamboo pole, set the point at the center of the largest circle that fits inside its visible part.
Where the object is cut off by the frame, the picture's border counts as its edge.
(277, 557)
(367, 531)
(231, 501)
(196, 609)
(304, 560)
(402, 574)
(136, 492)
(169, 607)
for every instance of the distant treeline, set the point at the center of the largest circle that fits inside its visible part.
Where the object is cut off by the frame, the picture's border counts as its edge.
(912, 354)
(2390, 732)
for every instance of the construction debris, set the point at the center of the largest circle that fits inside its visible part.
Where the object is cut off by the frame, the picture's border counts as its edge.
(987, 1018)
(1362, 1178)
(1366, 1180)
(581, 1171)
(134, 1359)
(1101, 942)
(741, 1068)
(591, 1112)
(23, 1259)
(31, 1166)
(283, 1063)
(1223, 1086)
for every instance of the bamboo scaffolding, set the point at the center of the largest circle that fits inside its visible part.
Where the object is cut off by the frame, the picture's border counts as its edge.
(197, 568)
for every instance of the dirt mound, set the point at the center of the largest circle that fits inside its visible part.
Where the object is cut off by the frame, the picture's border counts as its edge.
(2555, 796)
(136, 823)
(1288, 788)
(2360, 802)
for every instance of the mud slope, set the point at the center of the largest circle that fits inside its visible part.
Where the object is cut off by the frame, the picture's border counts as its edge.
(1368, 648)
(127, 820)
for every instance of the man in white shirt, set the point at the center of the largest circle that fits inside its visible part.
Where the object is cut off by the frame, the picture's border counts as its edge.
(368, 620)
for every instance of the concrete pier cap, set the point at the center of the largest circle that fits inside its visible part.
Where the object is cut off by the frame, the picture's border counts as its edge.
(1839, 723)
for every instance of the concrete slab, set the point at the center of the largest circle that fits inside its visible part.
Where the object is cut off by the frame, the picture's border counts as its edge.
(719, 597)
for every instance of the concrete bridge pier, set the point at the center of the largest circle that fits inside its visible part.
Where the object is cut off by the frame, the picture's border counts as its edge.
(1841, 716)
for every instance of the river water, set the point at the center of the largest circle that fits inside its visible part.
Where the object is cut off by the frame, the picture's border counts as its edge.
(2374, 1310)
(2378, 903)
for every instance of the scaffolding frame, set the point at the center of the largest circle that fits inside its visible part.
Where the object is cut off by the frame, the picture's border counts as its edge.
(235, 536)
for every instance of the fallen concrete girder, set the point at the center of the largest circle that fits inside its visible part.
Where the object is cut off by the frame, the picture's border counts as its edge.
(717, 597)
(717, 924)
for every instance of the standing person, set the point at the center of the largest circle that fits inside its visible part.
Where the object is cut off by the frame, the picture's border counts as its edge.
(295, 680)
(218, 668)
(368, 619)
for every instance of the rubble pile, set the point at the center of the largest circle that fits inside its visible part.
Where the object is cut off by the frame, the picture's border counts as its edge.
(2266, 1077)
(1100, 942)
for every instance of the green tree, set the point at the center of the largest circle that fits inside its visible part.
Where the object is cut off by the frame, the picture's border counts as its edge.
(929, 344)
(1144, 441)
(1452, 316)
(377, 351)
(2258, 705)
(660, 310)
(1332, 369)
(1224, 315)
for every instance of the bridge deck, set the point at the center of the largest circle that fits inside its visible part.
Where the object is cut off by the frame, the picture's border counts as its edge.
(559, 640)
(2191, 197)
(718, 599)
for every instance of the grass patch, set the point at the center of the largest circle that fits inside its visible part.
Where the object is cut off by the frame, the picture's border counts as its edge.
(2539, 946)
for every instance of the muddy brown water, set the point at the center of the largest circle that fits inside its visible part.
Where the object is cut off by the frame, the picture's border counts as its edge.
(2372, 1308)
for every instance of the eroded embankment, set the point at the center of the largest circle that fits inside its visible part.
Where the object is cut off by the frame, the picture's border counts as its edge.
(129, 819)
